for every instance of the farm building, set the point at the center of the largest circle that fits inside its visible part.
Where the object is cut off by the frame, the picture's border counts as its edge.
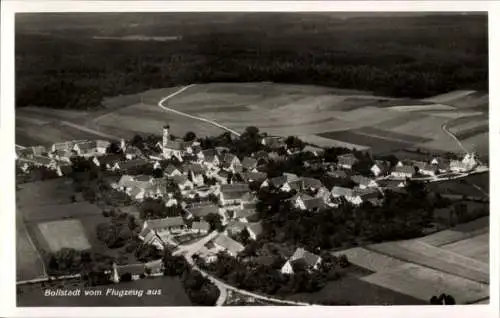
(229, 245)
(273, 142)
(305, 184)
(171, 171)
(231, 163)
(253, 176)
(209, 158)
(364, 182)
(148, 236)
(380, 168)
(316, 151)
(182, 182)
(249, 164)
(302, 258)
(201, 227)
(346, 161)
(134, 270)
(403, 171)
(172, 224)
(468, 163)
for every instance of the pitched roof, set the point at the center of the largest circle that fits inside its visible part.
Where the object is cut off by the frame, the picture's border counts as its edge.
(86, 145)
(253, 176)
(347, 159)
(133, 269)
(111, 159)
(176, 145)
(244, 213)
(201, 210)
(256, 228)
(202, 225)
(309, 148)
(66, 145)
(341, 191)
(234, 187)
(228, 243)
(179, 179)
(102, 144)
(341, 174)
(302, 196)
(249, 163)
(236, 226)
(165, 222)
(209, 154)
(368, 193)
(228, 158)
(136, 191)
(126, 181)
(274, 142)
(405, 169)
(249, 197)
(194, 167)
(314, 203)
(362, 180)
(277, 182)
(39, 150)
(42, 160)
(143, 177)
(234, 195)
(171, 168)
(301, 254)
(130, 164)
(290, 176)
(387, 183)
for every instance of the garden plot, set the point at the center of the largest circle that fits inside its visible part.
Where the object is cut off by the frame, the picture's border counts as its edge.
(64, 234)
(423, 283)
(370, 260)
(427, 255)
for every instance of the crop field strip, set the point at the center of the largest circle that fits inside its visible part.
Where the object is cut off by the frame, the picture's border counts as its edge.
(42, 193)
(449, 97)
(471, 132)
(476, 247)
(426, 127)
(327, 142)
(59, 211)
(64, 234)
(379, 145)
(419, 107)
(355, 291)
(29, 263)
(454, 187)
(422, 282)
(371, 131)
(450, 236)
(401, 120)
(370, 260)
(436, 258)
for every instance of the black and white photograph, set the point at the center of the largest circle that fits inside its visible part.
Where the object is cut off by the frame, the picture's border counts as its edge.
(323, 158)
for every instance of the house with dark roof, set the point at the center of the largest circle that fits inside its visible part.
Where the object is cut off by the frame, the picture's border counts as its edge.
(337, 174)
(273, 142)
(130, 165)
(107, 161)
(346, 161)
(301, 258)
(253, 176)
(182, 182)
(209, 157)
(229, 245)
(134, 270)
(305, 183)
(280, 182)
(149, 237)
(425, 168)
(231, 163)
(232, 198)
(316, 151)
(244, 215)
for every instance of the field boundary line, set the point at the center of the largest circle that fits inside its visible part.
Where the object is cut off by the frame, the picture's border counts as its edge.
(25, 229)
(214, 123)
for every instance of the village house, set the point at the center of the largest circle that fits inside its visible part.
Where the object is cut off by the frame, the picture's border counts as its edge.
(201, 227)
(249, 164)
(149, 237)
(425, 168)
(154, 267)
(107, 161)
(202, 209)
(231, 199)
(255, 230)
(316, 151)
(391, 184)
(372, 195)
(235, 227)
(130, 165)
(171, 201)
(168, 224)
(183, 183)
(209, 158)
(337, 174)
(64, 169)
(231, 163)
(195, 172)
(303, 258)
(346, 161)
(280, 183)
(244, 215)
(64, 146)
(222, 177)
(225, 243)
(468, 163)
(364, 182)
(172, 171)
(132, 152)
(380, 168)
(136, 271)
(62, 155)
(273, 142)
(258, 177)
(347, 194)
(261, 156)
(305, 202)
(174, 148)
(403, 171)
(305, 183)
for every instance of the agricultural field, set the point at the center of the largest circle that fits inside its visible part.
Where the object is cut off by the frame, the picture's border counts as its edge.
(476, 247)
(64, 234)
(433, 257)
(172, 294)
(29, 264)
(423, 283)
(47, 192)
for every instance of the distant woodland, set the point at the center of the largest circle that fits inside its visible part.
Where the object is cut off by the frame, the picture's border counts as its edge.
(60, 65)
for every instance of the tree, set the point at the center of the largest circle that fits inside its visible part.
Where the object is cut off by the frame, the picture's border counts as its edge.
(293, 142)
(114, 148)
(190, 136)
(215, 221)
(157, 173)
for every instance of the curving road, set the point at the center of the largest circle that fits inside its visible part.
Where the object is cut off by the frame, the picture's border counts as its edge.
(211, 122)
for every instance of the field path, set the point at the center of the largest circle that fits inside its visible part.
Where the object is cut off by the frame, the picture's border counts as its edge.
(90, 130)
(457, 141)
(166, 98)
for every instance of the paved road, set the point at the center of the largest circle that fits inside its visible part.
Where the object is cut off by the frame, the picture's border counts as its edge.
(166, 98)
